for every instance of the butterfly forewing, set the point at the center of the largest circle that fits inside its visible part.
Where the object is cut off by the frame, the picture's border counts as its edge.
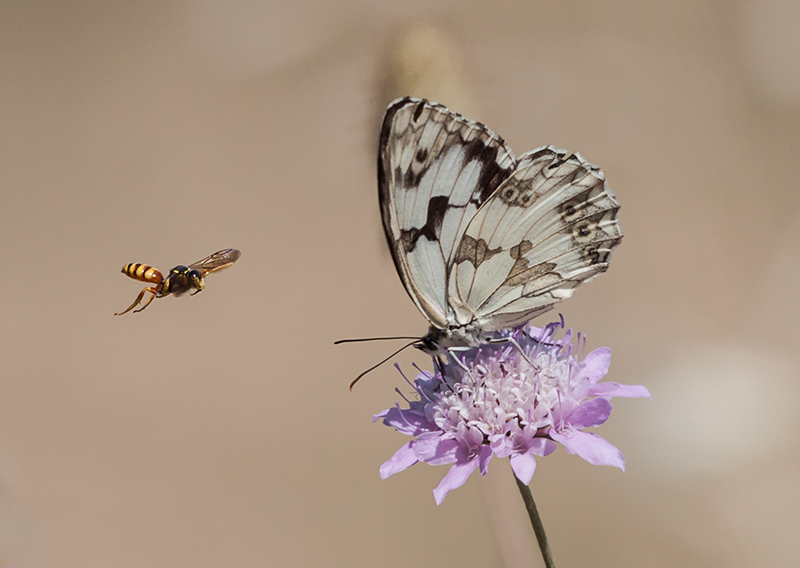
(217, 261)
(483, 240)
(435, 169)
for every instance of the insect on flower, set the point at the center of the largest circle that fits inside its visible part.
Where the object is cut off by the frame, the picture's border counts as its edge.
(179, 280)
(484, 240)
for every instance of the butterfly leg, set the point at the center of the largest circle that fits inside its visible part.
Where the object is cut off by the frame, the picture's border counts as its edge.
(139, 299)
(438, 365)
(452, 352)
(513, 342)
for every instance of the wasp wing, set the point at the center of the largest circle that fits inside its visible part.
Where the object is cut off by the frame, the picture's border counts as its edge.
(217, 261)
(435, 170)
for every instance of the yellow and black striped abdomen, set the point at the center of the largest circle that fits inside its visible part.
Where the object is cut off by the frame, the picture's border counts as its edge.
(143, 272)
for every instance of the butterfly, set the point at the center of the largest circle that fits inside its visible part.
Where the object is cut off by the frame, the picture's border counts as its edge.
(484, 240)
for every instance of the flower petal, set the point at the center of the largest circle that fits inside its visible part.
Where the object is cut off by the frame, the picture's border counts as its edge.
(596, 364)
(455, 478)
(523, 465)
(542, 447)
(484, 458)
(502, 445)
(406, 420)
(612, 389)
(402, 459)
(591, 447)
(436, 450)
(593, 412)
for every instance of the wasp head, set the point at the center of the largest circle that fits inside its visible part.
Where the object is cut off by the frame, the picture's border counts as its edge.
(196, 280)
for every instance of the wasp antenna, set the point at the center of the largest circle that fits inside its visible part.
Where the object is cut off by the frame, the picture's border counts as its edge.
(358, 378)
(340, 341)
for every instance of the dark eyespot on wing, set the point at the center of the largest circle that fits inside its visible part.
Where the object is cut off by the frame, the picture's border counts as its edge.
(595, 254)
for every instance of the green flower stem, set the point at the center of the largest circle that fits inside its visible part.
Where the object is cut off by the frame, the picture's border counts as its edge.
(536, 522)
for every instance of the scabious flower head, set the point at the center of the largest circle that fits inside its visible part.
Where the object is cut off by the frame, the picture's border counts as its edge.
(517, 397)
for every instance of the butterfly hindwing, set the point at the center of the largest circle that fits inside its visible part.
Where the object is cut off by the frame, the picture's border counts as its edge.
(549, 227)
(435, 170)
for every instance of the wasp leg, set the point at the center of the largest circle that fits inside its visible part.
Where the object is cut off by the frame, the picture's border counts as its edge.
(150, 289)
(150, 299)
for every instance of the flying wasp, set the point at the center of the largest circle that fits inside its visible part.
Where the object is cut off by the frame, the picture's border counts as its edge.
(179, 280)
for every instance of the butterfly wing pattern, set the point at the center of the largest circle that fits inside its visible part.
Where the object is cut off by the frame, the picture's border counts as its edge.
(481, 239)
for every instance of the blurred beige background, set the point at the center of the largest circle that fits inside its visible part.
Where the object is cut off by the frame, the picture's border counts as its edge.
(218, 430)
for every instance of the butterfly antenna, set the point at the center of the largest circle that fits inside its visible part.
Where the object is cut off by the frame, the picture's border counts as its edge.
(340, 341)
(358, 378)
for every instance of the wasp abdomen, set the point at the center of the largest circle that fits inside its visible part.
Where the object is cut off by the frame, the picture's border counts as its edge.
(143, 272)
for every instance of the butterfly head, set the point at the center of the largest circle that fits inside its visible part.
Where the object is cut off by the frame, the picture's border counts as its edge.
(430, 343)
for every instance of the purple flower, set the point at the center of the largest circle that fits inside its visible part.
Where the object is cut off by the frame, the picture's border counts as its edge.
(516, 398)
